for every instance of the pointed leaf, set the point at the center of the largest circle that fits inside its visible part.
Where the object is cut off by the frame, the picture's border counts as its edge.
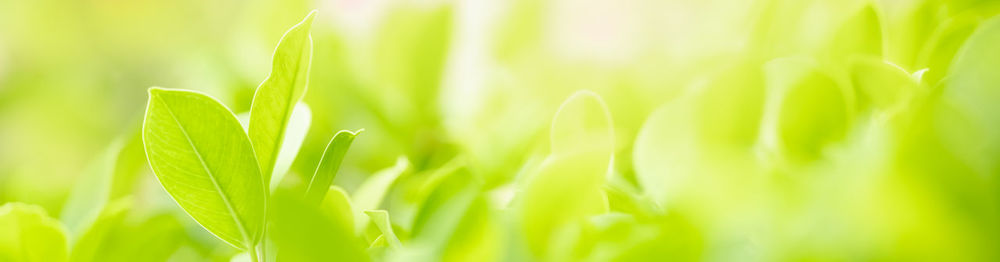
(28, 234)
(319, 184)
(203, 159)
(381, 220)
(277, 95)
(371, 193)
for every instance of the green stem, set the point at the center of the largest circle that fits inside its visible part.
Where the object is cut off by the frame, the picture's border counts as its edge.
(253, 254)
(263, 247)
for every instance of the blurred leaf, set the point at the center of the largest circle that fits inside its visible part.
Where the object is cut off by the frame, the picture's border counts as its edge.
(972, 91)
(295, 134)
(28, 234)
(94, 243)
(154, 238)
(90, 195)
(882, 86)
(204, 160)
(337, 204)
(277, 95)
(937, 54)
(369, 194)
(328, 165)
(568, 186)
(808, 109)
(454, 222)
(381, 220)
(699, 138)
(306, 232)
(860, 35)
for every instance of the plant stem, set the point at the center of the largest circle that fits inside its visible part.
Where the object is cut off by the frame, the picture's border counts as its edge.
(263, 248)
(253, 254)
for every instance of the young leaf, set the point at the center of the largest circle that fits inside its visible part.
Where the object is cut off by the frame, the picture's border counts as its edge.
(28, 234)
(381, 220)
(277, 95)
(328, 165)
(371, 193)
(203, 159)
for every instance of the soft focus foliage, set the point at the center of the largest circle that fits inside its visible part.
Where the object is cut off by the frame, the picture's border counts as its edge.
(523, 130)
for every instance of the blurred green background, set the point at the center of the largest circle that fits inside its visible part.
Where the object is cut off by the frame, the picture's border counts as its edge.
(818, 130)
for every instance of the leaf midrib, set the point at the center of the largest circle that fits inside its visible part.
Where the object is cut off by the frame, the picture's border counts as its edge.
(211, 176)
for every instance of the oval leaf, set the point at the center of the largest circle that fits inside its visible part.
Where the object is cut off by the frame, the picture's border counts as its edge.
(203, 159)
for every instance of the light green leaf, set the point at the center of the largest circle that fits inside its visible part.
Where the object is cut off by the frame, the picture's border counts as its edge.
(91, 193)
(337, 204)
(304, 231)
(204, 160)
(328, 165)
(295, 134)
(96, 242)
(968, 115)
(369, 194)
(28, 234)
(806, 109)
(567, 187)
(702, 136)
(582, 123)
(276, 97)
(381, 220)
(881, 86)
(859, 35)
(938, 53)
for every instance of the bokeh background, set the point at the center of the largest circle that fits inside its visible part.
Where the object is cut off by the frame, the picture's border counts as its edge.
(744, 130)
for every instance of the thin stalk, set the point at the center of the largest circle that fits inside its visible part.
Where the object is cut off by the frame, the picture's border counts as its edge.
(253, 254)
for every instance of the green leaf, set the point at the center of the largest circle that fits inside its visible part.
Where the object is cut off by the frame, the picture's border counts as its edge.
(370, 194)
(28, 234)
(91, 193)
(937, 54)
(859, 35)
(277, 95)
(882, 86)
(381, 220)
(303, 231)
(204, 160)
(568, 186)
(95, 243)
(582, 123)
(702, 136)
(968, 115)
(337, 204)
(806, 109)
(328, 165)
(295, 134)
